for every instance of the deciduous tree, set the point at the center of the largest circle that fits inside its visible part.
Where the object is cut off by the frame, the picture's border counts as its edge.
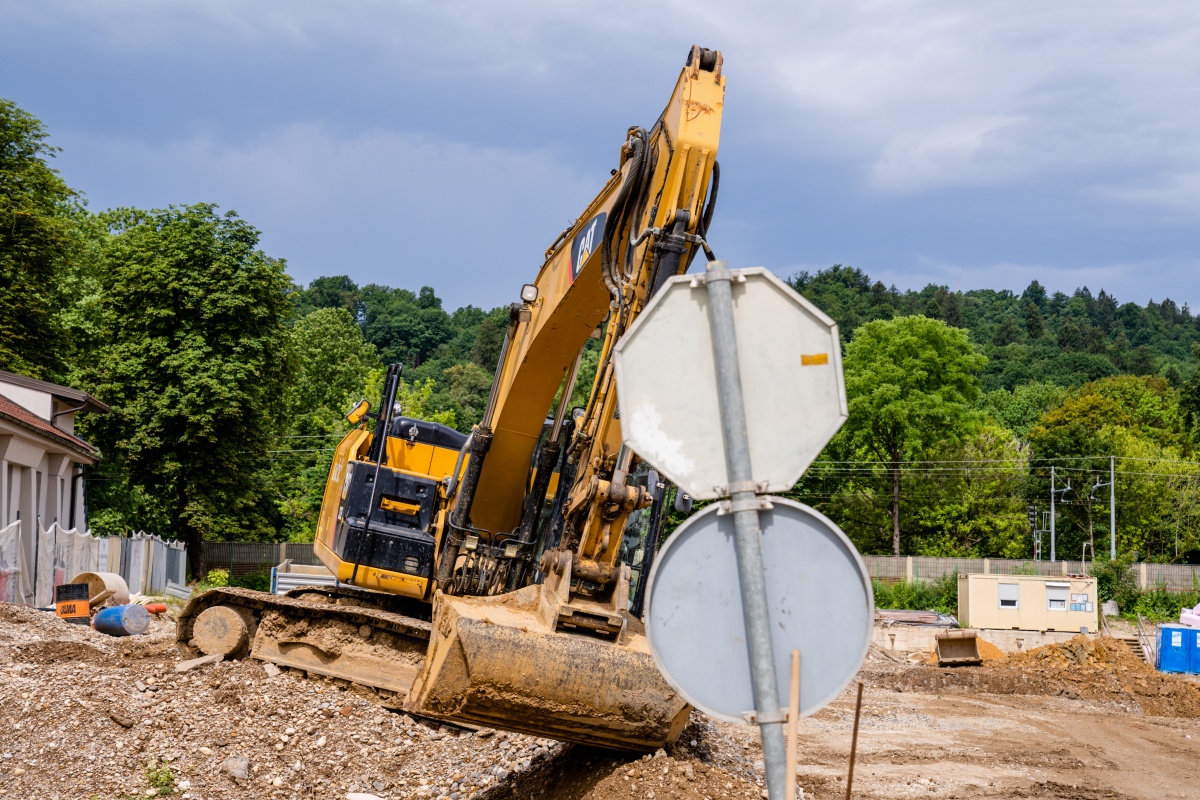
(192, 358)
(911, 383)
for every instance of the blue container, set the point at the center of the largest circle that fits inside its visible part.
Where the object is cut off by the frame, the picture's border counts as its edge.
(1177, 648)
(1195, 663)
(129, 620)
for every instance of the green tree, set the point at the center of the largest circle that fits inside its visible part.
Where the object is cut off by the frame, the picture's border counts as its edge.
(331, 360)
(40, 224)
(911, 382)
(1035, 326)
(331, 364)
(469, 388)
(1007, 332)
(1020, 409)
(192, 357)
(971, 505)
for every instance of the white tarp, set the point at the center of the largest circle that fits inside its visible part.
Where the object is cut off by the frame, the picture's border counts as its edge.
(50, 565)
(137, 563)
(32, 565)
(10, 564)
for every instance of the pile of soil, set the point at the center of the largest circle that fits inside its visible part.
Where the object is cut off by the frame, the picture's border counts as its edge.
(1101, 669)
(1104, 667)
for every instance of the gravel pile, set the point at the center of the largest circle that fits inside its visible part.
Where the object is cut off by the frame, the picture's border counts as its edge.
(86, 715)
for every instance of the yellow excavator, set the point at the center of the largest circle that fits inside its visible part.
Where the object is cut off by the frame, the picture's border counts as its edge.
(483, 579)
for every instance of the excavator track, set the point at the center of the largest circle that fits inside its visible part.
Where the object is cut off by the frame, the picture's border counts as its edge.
(486, 664)
(361, 637)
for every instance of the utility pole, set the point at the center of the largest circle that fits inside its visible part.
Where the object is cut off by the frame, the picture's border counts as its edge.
(1112, 508)
(1053, 491)
(1052, 488)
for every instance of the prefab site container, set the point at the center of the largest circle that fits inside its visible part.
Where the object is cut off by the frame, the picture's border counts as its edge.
(1028, 602)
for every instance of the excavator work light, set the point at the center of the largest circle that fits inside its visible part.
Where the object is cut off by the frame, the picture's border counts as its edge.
(358, 412)
(529, 293)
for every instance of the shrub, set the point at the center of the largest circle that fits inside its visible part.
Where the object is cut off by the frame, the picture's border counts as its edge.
(937, 595)
(259, 580)
(1115, 581)
(217, 577)
(1162, 605)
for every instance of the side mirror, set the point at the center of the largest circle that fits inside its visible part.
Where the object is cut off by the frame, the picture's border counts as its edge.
(358, 412)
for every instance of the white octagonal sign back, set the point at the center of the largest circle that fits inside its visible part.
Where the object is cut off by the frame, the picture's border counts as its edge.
(791, 372)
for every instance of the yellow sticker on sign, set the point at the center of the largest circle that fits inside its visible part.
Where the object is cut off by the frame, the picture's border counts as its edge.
(813, 359)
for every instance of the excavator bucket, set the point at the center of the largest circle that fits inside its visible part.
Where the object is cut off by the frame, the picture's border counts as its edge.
(958, 649)
(492, 661)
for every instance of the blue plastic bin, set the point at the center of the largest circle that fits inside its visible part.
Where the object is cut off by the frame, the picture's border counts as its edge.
(1178, 650)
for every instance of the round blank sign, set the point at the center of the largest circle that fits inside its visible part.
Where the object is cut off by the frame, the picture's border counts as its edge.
(818, 594)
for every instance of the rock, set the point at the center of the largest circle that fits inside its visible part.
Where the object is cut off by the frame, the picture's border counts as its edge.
(205, 751)
(362, 796)
(321, 742)
(237, 767)
(141, 687)
(185, 666)
(271, 670)
(120, 719)
(18, 771)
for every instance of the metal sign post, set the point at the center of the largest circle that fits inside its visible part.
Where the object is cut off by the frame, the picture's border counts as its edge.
(730, 384)
(741, 488)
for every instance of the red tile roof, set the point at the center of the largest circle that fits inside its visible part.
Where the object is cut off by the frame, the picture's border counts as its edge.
(27, 419)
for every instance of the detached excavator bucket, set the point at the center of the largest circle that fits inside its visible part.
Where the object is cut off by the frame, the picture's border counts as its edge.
(958, 649)
(492, 661)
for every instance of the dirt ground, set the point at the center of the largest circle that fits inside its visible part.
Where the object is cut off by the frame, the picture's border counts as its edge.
(83, 715)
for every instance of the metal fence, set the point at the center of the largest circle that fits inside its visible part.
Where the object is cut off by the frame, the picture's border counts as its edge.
(893, 569)
(241, 558)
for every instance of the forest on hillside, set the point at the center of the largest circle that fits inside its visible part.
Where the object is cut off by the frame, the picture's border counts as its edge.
(228, 382)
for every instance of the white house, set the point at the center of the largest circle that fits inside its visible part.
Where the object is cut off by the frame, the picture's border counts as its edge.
(42, 461)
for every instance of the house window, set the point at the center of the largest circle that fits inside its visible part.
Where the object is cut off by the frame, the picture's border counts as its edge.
(1056, 596)
(1009, 592)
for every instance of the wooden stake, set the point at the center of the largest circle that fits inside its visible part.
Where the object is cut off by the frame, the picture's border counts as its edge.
(854, 740)
(793, 725)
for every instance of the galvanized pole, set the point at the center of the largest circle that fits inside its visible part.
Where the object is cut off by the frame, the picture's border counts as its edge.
(1052, 489)
(1112, 508)
(768, 713)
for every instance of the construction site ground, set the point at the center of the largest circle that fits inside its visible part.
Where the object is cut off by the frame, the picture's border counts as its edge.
(83, 715)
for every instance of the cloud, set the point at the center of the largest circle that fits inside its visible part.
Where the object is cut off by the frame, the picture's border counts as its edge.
(986, 134)
(471, 221)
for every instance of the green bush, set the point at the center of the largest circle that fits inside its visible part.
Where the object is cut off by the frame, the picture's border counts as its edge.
(1115, 580)
(259, 580)
(937, 595)
(1162, 605)
(217, 577)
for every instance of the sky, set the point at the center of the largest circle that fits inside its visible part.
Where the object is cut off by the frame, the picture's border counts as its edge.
(974, 145)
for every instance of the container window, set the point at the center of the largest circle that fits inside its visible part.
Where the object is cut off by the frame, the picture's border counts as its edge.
(1009, 593)
(1056, 596)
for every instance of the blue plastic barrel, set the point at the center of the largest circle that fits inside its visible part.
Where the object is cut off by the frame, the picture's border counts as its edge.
(129, 620)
